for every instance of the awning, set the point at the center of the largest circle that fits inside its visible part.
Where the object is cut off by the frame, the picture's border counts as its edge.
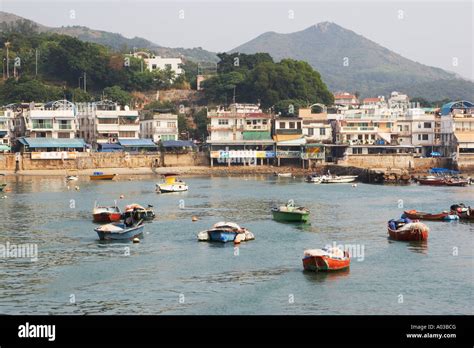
(110, 147)
(467, 137)
(3, 133)
(53, 143)
(4, 147)
(137, 143)
(294, 142)
(177, 143)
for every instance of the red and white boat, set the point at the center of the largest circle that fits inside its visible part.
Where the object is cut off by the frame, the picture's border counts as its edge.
(106, 214)
(326, 259)
(432, 181)
(407, 231)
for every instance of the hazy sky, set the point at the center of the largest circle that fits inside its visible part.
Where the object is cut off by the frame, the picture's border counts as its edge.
(436, 33)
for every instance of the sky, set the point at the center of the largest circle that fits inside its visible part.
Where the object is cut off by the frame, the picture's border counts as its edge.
(437, 33)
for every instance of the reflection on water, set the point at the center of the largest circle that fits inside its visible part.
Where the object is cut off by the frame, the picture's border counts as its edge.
(169, 261)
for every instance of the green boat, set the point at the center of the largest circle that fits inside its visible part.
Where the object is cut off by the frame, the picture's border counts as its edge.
(290, 213)
(2, 186)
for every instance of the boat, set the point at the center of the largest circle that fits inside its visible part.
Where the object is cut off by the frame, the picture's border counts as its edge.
(120, 231)
(457, 182)
(464, 213)
(102, 176)
(72, 178)
(106, 214)
(171, 184)
(139, 212)
(284, 175)
(326, 260)
(407, 230)
(226, 232)
(419, 215)
(432, 180)
(315, 179)
(2, 187)
(335, 179)
(290, 213)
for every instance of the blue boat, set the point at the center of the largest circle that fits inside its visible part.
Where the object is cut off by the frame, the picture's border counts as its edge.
(222, 235)
(119, 231)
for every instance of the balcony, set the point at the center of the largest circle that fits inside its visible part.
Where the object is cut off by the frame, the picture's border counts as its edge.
(348, 129)
(65, 127)
(41, 125)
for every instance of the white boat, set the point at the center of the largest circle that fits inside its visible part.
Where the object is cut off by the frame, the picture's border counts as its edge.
(315, 179)
(171, 184)
(72, 178)
(284, 175)
(334, 179)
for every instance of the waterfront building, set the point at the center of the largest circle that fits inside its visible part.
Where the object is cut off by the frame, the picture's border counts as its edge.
(417, 128)
(457, 131)
(346, 99)
(6, 129)
(159, 127)
(316, 126)
(56, 119)
(240, 134)
(106, 122)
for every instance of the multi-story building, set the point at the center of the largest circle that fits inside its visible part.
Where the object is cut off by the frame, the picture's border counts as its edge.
(240, 134)
(346, 99)
(378, 102)
(159, 127)
(55, 120)
(6, 129)
(316, 126)
(153, 63)
(106, 122)
(398, 101)
(422, 130)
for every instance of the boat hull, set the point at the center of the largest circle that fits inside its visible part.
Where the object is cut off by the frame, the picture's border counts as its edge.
(103, 177)
(222, 236)
(408, 235)
(290, 216)
(127, 234)
(432, 182)
(172, 188)
(418, 215)
(325, 264)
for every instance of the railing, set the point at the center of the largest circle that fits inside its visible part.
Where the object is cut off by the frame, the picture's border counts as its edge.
(65, 126)
(358, 129)
(42, 125)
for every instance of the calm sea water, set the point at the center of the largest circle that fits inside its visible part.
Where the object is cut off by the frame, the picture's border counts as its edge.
(170, 272)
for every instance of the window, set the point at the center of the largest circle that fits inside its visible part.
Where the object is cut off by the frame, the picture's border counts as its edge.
(158, 124)
(282, 124)
(419, 136)
(264, 121)
(291, 125)
(310, 131)
(427, 125)
(425, 136)
(168, 66)
(128, 134)
(171, 125)
(322, 131)
(407, 128)
(298, 125)
(153, 66)
(63, 135)
(223, 122)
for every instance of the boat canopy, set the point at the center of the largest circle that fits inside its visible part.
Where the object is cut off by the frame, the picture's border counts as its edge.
(138, 143)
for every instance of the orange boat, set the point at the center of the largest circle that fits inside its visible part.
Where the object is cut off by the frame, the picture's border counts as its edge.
(420, 215)
(326, 260)
(407, 230)
(102, 176)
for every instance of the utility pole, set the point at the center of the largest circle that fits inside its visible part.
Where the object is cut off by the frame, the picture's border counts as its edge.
(36, 62)
(85, 88)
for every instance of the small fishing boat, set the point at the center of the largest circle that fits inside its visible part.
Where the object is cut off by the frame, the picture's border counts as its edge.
(72, 178)
(335, 179)
(326, 259)
(432, 180)
(315, 179)
(419, 215)
(106, 214)
(407, 230)
(457, 182)
(102, 176)
(139, 212)
(284, 175)
(171, 184)
(290, 213)
(2, 187)
(464, 213)
(120, 231)
(226, 232)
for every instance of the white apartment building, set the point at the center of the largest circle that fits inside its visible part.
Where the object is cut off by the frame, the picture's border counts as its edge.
(417, 128)
(6, 129)
(55, 120)
(159, 127)
(156, 62)
(106, 122)
(398, 101)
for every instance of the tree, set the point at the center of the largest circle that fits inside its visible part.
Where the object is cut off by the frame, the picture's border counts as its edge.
(118, 95)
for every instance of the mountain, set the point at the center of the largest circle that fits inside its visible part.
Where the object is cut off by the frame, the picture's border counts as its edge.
(115, 41)
(370, 69)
